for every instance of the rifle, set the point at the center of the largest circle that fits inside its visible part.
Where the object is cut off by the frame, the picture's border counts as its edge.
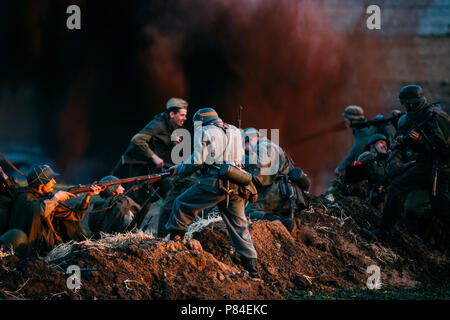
(128, 160)
(239, 122)
(6, 183)
(153, 178)
(377, 121)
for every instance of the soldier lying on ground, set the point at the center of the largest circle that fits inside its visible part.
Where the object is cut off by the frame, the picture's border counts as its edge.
(220, 148)
(279, 196)
(119, 213)
(353, 183)
(42, 216)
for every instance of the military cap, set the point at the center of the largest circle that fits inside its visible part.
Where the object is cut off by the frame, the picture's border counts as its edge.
(176, 103)
(411, 94)
(42, 174)
(354, 113)
(206, 116)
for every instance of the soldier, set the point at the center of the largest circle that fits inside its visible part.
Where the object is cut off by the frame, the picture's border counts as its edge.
(361, 135)
(417, 204)
(352, 183)
(429, 137)
(42, 215)
(274, 203)
(114, 212)
(152, 143)
(217, 146)
(8, 191)
(376, 159)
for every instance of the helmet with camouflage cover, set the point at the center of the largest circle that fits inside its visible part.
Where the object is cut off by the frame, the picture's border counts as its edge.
(354, 113)
(14, 239)
(206, 116)
(411, 94)
(41, 174)
(249, 133)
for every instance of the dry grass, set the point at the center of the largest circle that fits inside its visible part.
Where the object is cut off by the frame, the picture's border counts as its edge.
(107, 241)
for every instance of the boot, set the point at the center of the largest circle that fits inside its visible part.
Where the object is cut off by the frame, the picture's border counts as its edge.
(177, 234)
(250, 265)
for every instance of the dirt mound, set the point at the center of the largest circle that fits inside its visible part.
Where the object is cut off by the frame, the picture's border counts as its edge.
(324, 254)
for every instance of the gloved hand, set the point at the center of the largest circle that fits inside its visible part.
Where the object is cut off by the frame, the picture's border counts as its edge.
(414, 137)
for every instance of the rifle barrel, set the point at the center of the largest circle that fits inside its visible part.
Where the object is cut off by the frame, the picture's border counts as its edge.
(152, 178)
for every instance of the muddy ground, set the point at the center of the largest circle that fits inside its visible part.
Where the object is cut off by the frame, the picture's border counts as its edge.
(325, 254)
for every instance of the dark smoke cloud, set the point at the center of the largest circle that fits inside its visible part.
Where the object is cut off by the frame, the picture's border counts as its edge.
(280, 59)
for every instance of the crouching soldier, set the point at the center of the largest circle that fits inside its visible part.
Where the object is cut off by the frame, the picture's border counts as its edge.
(218, 152)
(281, 187)
(42, 214)
(114, 212)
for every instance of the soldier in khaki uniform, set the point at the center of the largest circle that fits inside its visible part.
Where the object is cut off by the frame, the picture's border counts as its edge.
(114, 212)
(217, 145)
(270, 167)
(42, 214)
(153, 142)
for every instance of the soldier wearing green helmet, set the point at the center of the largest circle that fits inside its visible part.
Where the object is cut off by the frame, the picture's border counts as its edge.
(44, 216)
(113, 212)
(361, 135)
(376, 158)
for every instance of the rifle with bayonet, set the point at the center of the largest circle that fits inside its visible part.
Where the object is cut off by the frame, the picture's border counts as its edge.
(152, 178)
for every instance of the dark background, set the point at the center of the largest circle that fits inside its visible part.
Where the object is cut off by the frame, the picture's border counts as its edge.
(74, 98)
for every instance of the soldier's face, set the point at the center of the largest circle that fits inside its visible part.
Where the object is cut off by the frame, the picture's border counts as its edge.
(178, 118)
(48, 187)
(381, 146)
(119, 190)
